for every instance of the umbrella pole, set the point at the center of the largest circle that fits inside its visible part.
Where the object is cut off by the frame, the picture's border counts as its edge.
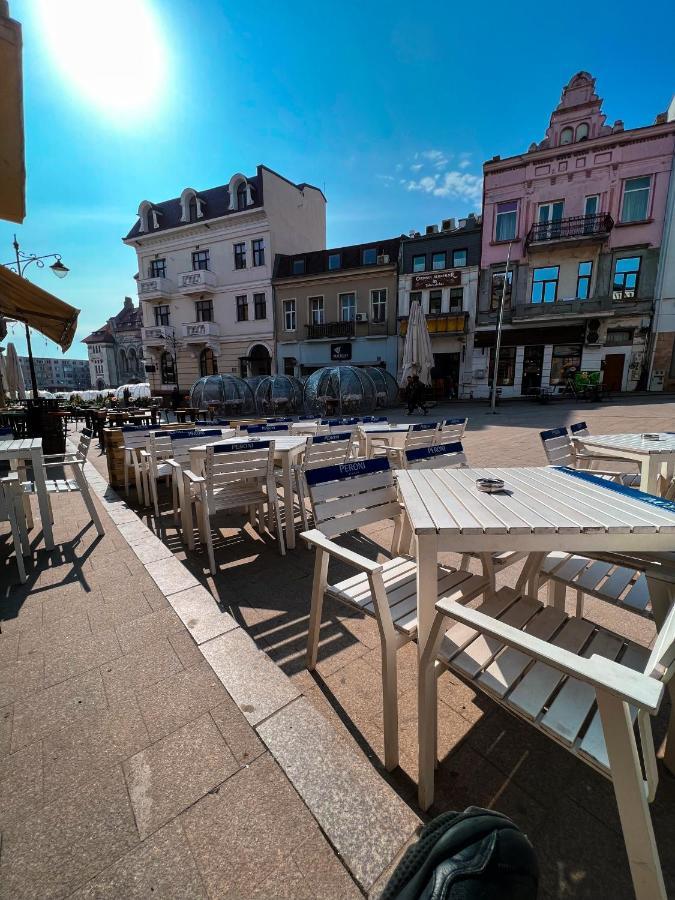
(498, 346)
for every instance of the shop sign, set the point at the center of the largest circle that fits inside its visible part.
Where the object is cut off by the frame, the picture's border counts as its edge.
(436, 280)
(340, 352)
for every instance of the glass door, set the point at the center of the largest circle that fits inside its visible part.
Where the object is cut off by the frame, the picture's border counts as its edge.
(550, 215)
(533, 362)
(591, 209)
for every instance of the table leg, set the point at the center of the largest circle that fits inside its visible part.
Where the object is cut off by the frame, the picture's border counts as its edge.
(43, 498)
(427, 593)
(288, 499)
(649, 475)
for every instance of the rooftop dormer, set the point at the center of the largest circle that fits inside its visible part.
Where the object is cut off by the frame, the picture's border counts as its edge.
(578, 117)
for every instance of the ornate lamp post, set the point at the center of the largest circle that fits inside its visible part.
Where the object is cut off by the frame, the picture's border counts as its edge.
(23, 260)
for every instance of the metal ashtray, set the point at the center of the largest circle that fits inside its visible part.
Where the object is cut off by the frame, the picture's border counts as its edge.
(490, 485)
(650, 436)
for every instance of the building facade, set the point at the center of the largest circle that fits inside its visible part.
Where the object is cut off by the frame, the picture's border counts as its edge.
(337, 306)
(205, 264)
(440, 269)
(582, 213)
(115, 350)
(54, 374)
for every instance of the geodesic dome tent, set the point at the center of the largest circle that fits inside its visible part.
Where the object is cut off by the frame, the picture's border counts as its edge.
(136, 391)
(278, 395)
(229, 393)
(386, 386)
(339, 390)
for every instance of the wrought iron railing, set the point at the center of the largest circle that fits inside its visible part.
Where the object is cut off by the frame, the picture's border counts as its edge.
(330, 330)
(573, 227)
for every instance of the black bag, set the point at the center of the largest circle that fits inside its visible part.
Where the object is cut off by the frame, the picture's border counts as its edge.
(475, 855)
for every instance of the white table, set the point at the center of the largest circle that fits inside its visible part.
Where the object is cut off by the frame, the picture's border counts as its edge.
(287, 450)
(30, 450)
(542, 509)
(393, 433)
(652, 456)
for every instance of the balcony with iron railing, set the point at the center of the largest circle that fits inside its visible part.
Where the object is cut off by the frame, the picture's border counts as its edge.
(327, 330)
(571, 231)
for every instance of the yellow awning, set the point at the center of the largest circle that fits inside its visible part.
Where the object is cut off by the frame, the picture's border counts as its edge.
(26, 302)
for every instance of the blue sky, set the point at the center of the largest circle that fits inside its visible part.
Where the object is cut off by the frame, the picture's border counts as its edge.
(362, 99)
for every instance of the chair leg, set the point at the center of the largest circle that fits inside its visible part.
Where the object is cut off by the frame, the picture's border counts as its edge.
(390, 705)
(316, 607)
(206, 532)
(81, 480)
(556, 595)
(155, 497)
(16, 539)
(302, 500)
(280, 530)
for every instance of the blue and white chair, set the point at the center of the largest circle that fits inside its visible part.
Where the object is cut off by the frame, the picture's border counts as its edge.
(321, 450)
(422, 434)
(451, 430)
(438, 456)
(281, 428)
(560, 450)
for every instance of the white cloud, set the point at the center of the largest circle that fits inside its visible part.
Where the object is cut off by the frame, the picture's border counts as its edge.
(437, 158)
(465, 161)
(452, 183)
(387, 179)
(416, 167)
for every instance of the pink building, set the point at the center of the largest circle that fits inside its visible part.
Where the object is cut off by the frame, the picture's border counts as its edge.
(583, 212)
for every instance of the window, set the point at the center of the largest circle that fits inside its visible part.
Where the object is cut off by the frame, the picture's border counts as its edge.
(204, 310)
(438, 260)
(505, 221)
(242, 199)
(161, 315)
(239, 255)
(242, 308)
(334, 260)
(566, 136)
(415, 296)
(458, 258)
(435, 300)
(369, 256)
(565, 363)
(259, 306)
(419, 262)
(298, 266)
(258, 249)
(618, 336)
(157, 268)
(378, 305)
(635, 204)
(347, 307)
(289, 315)
(316, 311)
(200, 260)
(208, 364)
(626, 273)
(584, 280)
(167, 368)
(582, 131)
(456, 298)
(498, 290)
(506, 372)
(545, 284)
(192, 209)
(591, 205)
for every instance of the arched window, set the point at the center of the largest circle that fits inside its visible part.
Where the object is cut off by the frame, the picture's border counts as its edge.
(132, 362)
(582, 131)
(208, 364)
(168, 369)
(242, 199)
(566, 136)
(123, 361)
(192, 209)
(259, 361)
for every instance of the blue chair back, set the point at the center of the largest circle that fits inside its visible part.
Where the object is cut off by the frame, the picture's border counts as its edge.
(438, 456)
(259, 429)
(240, 446)
(424, 426)
(329, 438)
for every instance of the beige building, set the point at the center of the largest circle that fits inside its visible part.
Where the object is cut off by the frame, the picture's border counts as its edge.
(205, 274)
(337, 306)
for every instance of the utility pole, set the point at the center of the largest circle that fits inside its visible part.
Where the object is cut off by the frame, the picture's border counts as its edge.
(498, 346)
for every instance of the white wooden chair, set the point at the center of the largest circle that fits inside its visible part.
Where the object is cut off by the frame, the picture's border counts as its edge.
(578, 683)
(135, 438)
(236, 475)
(167, 453)
(451, 430)
(344, 498)
(438, 456)
(422, 434)
(579, 430)
(321, 450)
(12, 511)
(560, 451)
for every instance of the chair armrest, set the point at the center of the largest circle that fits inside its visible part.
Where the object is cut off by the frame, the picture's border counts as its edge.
(192, 478)
(318, 539)
(66, 461)
(604, 674)
(172, 463)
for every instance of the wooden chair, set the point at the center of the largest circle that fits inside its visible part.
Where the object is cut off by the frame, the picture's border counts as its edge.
(12, 511)
(438, 456)
(135, 438)
(321, 450)
(236, 475)
(344, 498)
(561, 451)
(578, 683)
(279, 428)
(580, 429)
(422, 434)
(451, 430)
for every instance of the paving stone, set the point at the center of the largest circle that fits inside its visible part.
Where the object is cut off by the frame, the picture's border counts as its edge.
(21, 678)
(286, 882)
(79, 655)
(151, 550)
(60, 705)
(133, 532)
(182, 697)
(68, 842)
(176, 771)
(6, 715)
(138, 633)
(27, 615)
(126, 607)
(133, 671)
(9, 647)
(250, 677)
(201, 615)
(323, 872)
(187, 651)
(162, 867)
(244, 830)
(63, 631)
(362, 816)
(60, 605)
(91, 745)
(171, 576)
(240, 737)
(20, 784)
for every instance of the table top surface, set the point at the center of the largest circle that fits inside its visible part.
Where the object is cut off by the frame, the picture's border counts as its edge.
(282, 442)
(635, 443)
(21, 445)
(535, 500)
(382, 427)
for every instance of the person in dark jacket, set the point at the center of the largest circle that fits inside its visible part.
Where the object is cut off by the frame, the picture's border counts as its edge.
(416, 396)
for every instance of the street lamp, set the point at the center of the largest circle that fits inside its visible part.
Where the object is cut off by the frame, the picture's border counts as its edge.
(23, 260)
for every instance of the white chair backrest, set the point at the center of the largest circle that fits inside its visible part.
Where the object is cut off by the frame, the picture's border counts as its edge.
(183, 441)
(135, 437)
(84, 443)
(422, 434)
(241, 461)
(579, 429)
(263, 429)
(327, 450)
(451, 429)
(558, 447)
(439, 456)
(347, 496)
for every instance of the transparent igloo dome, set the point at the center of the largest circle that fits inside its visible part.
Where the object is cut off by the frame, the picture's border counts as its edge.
(340, 390)
(230, 395)
(278, 395)
(386, 388)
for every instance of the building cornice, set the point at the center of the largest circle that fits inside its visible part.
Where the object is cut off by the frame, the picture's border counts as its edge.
(328, 277)
(212, 228)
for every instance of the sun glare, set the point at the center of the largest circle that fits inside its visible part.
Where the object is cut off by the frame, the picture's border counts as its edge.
(110, 51)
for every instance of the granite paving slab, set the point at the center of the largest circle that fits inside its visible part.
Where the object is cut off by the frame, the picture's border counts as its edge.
(127, 674)
(201, 615)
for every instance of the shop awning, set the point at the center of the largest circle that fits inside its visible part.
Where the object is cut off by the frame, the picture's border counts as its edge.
(26, 302)
(12, 167)
(514, 337)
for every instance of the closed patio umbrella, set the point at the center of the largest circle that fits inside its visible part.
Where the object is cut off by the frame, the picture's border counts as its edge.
(418, 358)
(14, 376)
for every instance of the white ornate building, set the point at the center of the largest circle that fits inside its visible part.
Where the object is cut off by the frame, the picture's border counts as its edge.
(115, 350)
(205, 263)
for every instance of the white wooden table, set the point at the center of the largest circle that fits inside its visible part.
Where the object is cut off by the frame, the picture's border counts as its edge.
(393, 433)
(287, 450)
(542, 509)
(30, 450)
(652, 456)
